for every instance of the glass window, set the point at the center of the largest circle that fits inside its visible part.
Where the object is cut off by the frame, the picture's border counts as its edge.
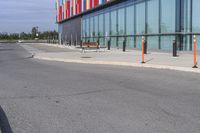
(138, 42)
(101, 25)
(187, 24)
(121, 21)
(130, 20)
(153, 16)
(187, 16)
(140, 18)
(91, 26)
(198, 42)
(101, 41)
(152, 42)
(166, 42)
(114, 23)
(130, 42)
(186, 41)
(195, 16)
(120, 42)
(96, 26)
(91, 29)
(107, 24)
(107, 27)
(83, 28)
(95, 39)
(121, 26)
(113, 28)
(140, 22)
(196, 20)
(87, 27)
(114, 41)
(168, 16)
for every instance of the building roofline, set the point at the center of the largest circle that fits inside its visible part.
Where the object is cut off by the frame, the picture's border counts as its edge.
(99, 7)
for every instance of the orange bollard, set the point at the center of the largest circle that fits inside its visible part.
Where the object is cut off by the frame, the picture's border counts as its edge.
(143, 41)
(195, 53)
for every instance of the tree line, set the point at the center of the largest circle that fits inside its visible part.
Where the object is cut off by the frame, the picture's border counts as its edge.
(34, 34)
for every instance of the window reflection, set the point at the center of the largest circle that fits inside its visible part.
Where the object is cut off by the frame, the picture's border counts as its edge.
(168, 16)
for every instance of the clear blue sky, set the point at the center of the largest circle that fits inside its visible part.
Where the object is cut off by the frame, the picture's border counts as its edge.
(22, 15)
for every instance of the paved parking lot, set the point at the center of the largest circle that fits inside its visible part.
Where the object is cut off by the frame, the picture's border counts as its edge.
(43, 97)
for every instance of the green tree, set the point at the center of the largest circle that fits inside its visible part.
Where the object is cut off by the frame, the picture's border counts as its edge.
(34, 31)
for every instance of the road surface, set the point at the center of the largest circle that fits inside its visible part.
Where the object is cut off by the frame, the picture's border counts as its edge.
(53, 97)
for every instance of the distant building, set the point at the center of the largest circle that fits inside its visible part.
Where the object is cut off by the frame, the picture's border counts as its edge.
(118, 21)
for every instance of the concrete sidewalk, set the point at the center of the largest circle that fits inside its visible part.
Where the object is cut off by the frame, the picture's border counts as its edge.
(160, 60)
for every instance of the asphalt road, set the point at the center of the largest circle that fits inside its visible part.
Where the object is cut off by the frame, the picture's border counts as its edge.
(53, 97)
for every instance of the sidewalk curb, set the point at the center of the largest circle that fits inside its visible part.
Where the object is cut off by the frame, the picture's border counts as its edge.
(185, 69)
(59, 46)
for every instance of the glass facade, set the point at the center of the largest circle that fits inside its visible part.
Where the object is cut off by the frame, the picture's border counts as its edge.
(130, 26)
(101, 30)
(121, 26)
(196, 19)
(152, 23)
(91, 29)
(159, 21)
(140, 22)
(96, 27)
(107, 27)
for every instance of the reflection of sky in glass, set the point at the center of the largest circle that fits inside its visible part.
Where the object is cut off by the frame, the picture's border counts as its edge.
(196, 18)
(22, 15)
(101, 25)
(130, 20)
(168, 16)
(153, 16)
(140, 18)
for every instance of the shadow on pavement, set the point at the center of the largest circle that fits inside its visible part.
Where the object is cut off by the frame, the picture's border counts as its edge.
(17, 59)
(6, 49)
(4, 123)
(149, 60)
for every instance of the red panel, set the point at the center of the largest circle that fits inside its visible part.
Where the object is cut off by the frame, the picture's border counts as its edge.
(57, 12)
(96, 3)
(91, 3)
(78, 6)
(60, 13)
(68, 8)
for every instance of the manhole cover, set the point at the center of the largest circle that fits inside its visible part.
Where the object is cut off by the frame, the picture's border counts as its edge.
(86, 57)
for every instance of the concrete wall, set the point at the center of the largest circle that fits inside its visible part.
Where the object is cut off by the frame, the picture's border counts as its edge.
(70, 32)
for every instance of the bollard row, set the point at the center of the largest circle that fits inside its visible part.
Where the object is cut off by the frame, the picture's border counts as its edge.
(174, 51)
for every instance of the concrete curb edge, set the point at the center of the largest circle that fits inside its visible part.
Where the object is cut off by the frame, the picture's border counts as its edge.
(185, 69)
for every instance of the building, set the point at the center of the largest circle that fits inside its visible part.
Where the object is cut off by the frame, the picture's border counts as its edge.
(126, 21)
